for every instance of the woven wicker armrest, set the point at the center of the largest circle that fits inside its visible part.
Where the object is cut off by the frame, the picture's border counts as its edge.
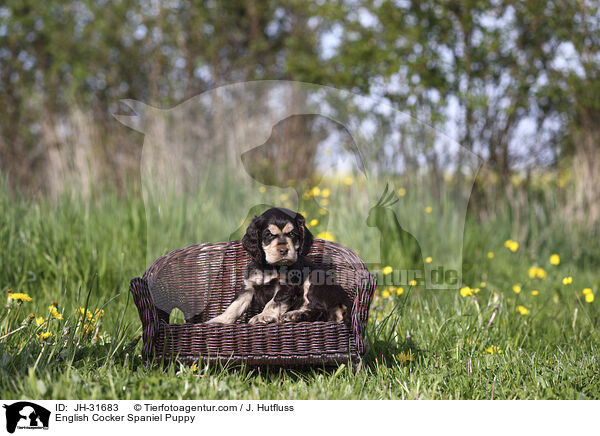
(202, 280)
(150, 316)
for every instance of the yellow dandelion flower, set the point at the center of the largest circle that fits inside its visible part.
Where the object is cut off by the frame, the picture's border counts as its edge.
(511, 245)
(567, 280)
(385, 293)
(492, 350)
(405, 357)
(555, 259)
(413, 283)
(326, 235)
(401, 192)
(482, 284)
(522, 310)
(348, 181)
(39, 321)
(99, 313)
(89, 315)
(325, 193)
(516, 289)
(490, 255)
(284, 197)
(19, 296)
(316, 191)
(262, 189)
(305, 196)
(314, 222)
(387, 270)
(194, 367)
(45, 335)
(323, 211)
(399, 291)
(537, 272)
(587, 291)
(589, 298)
(54, 312)
(466, 291)
(535, 293)
(428, 259)
(428, 209)
(324, 202)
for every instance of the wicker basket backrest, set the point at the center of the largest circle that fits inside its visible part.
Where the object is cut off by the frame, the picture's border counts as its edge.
(202, 280)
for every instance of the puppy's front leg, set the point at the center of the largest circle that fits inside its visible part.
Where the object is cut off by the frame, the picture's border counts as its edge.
(273, 309)
(235, 309)
(270, 313)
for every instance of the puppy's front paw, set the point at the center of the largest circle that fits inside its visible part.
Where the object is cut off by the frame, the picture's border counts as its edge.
(218, 320)
(293, 316)
(262, 318)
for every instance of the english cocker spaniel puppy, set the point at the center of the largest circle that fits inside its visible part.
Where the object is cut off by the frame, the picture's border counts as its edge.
(281, 279)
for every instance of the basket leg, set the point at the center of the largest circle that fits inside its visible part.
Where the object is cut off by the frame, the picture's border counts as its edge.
(148, 315)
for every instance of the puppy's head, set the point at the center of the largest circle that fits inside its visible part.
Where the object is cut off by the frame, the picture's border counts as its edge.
(277, 237)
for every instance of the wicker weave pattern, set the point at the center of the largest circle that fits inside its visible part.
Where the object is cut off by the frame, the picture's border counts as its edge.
(202, 280)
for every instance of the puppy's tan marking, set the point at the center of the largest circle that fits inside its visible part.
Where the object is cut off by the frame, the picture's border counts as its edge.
(277, 231)
(306, 287)
(337, 315)
(271, 250)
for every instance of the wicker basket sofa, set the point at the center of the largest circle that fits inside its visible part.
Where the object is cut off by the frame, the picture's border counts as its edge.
(202, 280)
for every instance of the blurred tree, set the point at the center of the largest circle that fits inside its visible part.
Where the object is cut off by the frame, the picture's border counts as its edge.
(495, 75)
(468, 67)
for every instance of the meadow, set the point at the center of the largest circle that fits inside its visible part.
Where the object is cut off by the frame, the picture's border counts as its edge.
(523, 325)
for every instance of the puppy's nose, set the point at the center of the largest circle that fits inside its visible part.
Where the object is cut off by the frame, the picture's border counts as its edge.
(283, 250)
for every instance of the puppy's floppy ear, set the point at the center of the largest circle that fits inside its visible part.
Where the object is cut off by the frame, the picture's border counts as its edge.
(251, 240)
(306, 237)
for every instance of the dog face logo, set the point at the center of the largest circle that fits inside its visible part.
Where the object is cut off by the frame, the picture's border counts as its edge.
(26, 415)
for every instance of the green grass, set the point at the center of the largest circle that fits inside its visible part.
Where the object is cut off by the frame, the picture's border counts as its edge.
(83, 253)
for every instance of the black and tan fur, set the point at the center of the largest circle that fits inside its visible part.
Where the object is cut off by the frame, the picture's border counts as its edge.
(281, 279)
